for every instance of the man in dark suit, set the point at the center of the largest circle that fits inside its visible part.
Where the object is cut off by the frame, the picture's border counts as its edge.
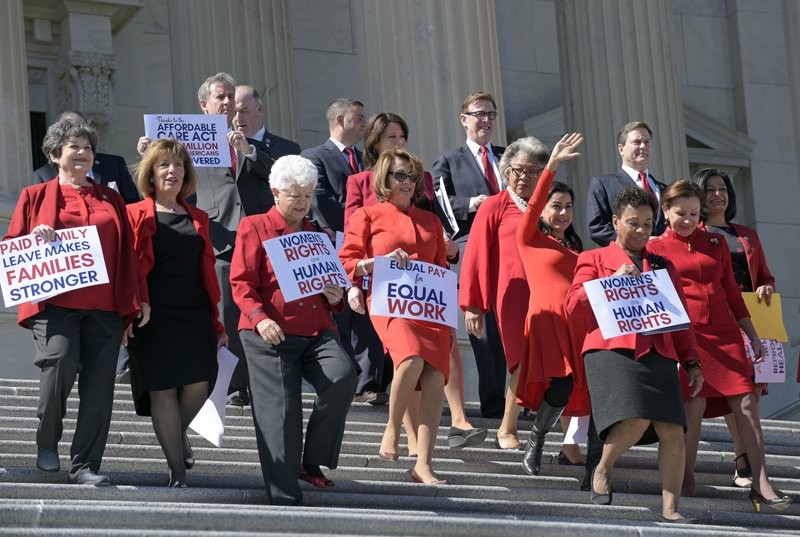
(336, 160)
(633, 143)
(109, 170)
(248, 120)
(470, 174)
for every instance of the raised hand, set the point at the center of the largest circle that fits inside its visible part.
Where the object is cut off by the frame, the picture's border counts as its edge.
(564, 150)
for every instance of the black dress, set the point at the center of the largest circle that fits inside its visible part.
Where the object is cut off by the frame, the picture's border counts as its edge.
(179, 344)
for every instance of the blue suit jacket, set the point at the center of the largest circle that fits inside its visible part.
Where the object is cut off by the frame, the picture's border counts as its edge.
(106, 169)
(330, 195)
(603, 190)
(463, 179)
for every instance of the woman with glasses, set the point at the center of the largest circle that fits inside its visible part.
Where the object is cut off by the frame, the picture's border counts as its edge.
(420, 350)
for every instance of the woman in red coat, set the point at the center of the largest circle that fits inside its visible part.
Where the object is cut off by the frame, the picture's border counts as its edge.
(717, 311)
(174, 357)
(420, 350)
(552, 380)
(633, 381)
(749, 270)
(79, 330)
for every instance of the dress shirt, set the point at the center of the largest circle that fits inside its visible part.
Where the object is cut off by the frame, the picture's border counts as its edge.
(346, 158)
(634, 174)
(475, 149)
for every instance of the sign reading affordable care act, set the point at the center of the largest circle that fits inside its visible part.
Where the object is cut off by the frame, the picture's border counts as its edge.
(648, 304)
(204, 135)
(303, 263)
(424, 292)
(34, 270)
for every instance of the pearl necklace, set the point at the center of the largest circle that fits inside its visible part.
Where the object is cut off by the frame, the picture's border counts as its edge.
(521, 203)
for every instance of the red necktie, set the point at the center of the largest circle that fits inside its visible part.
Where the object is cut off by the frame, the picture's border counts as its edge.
(645, 182)
(488, 171)
(233, 161)
(352, 158)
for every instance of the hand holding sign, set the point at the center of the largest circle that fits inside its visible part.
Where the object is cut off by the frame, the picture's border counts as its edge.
(401, 258)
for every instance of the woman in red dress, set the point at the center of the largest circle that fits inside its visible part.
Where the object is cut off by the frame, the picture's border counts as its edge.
(549, 246)
(715, 305)
(420, 350)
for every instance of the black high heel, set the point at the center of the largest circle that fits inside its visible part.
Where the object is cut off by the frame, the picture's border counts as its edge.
(778, 504)
(599, 499)
(742, 477)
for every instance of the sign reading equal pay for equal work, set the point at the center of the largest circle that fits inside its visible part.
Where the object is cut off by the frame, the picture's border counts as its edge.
(648, 304)
(33, 270)
(423, 291)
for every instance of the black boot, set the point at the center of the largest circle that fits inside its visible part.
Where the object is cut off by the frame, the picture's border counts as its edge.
(594, 452)
(546, 417)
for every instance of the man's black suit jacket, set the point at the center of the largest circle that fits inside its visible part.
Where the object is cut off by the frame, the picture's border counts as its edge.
(603, 190)
(330, 194)
(269, 149)
(463, 179)
(107, 169)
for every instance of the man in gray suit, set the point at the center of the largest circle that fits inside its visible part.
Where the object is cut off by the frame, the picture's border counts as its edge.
(470, 175)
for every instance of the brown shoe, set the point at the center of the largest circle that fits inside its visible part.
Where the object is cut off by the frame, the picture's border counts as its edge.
(373, 398)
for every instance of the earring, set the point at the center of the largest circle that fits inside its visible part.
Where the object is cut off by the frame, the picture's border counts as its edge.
(276, 200)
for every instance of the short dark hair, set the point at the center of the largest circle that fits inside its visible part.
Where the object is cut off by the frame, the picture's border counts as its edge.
(340, 106)
(629, 127)
(700, 179)
(372, 135)
(62, 130)
(570, 234)
(634, 197)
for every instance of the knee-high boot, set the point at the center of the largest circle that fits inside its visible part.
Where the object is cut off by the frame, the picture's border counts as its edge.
(546, 417)
(594, 452)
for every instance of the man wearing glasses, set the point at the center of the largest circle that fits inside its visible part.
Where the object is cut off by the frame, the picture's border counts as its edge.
(470, 175)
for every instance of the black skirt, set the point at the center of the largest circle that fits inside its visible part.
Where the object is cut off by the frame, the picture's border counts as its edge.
(622, 388)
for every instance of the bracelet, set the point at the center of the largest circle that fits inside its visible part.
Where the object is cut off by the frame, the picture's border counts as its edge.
(363, 266)
(694, 364)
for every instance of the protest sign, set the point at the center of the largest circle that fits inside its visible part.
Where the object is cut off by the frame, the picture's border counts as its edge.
(205, 136)
(773, 368)
(423, 291)
(210, 420)
(304, 262)
(34, 270)
(647, 304)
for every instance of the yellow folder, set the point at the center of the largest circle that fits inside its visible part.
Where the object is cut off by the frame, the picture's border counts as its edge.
(768, 320)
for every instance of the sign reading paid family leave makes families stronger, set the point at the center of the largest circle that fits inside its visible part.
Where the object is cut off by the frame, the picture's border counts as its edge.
(304, 262)
(647, 304)
(33, 269)
(205, 136)
(423, 291)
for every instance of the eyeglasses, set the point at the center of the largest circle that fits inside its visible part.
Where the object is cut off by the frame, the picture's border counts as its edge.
(401, 176)
(482, 116)
(532, 173)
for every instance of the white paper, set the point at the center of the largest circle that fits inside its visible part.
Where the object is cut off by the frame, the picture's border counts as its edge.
(773, 368)
(444, 203)
(303, 263)
(32, 270)
(210, 421)
(204, 135)
(648, 304)
(424, 291)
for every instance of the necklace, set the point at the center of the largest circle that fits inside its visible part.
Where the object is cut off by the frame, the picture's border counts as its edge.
(172, 209)
(563, 242)
(521, 203)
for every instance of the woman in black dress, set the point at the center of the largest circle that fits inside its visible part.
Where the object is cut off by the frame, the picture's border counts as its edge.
(174, 360)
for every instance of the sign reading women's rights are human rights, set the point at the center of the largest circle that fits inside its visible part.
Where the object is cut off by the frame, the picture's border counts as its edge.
(32, 270)
(647, 304)
(205, 136)
(304, 262)
(423, 291)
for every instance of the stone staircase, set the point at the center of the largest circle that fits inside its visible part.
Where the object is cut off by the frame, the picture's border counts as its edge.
(488, 494)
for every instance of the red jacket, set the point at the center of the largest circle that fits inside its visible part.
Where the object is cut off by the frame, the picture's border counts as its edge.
(255, 287)
(142, 217)
(38, 204)
(680, 345)
(361, 192)
(756, 260)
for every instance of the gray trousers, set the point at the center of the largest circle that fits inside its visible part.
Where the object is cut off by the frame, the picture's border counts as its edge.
(276, 375)
(68, 342)
(229, 317)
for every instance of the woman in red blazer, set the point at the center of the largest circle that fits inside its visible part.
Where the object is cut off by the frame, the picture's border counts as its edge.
(719, 316)
(633, 382)
(174, 357)
(79, 330)
(749, 269)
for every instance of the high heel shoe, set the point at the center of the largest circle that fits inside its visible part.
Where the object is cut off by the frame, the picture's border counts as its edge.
(417, 479)
(188, 453)
(313, 475)
(563, 460)
(512, 447)
(777, 504)
(388, 456)
(742, 477)
(599, 499)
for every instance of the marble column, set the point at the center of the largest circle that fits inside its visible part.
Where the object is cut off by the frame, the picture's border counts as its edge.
(423, 58)
(791, 22)
(15, 136)
(617, 65)
(249, 39)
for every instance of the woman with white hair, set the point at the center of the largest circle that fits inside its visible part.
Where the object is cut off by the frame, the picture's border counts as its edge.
(286, 342)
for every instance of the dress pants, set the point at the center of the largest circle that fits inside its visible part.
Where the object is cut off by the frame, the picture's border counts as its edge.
(368, 353)
(229, 317)
(490, 360)
(276, 375)
(69, 342)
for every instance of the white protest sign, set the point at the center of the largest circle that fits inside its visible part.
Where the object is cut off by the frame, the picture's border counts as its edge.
(304, 262)
(648, 304)
(447, 209)
(210, 421)
(34, 270)
(205, 136)
(773, 368)
(424, 292)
